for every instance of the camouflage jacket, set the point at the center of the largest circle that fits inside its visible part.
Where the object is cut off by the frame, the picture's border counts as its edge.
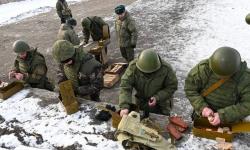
(85, 74)
(161, 84)
(62, 9)
(230, 100)
(67, 33)
(34, 69)
(95, 30)
(126, 31)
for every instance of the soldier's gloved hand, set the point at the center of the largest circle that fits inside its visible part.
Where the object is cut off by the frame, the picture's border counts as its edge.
(124, 112)
(19, 76)
(152, 102)
(207, 112)
(216, 120)
(133, 46)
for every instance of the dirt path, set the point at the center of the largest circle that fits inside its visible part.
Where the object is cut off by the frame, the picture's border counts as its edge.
(40, 31)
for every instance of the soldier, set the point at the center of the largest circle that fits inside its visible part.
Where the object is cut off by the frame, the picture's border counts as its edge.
(30, 66)
(126, 32)
(63, 10)
(93, 26)
(247, 19)
(66, 32)
(154, 81)
(218, 87)
(79, 67)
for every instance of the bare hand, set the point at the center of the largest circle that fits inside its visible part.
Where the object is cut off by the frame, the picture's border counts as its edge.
(152, 102)
(216, 120)
(124, 112)
(12, 74)
(19, 76)
(207, 112)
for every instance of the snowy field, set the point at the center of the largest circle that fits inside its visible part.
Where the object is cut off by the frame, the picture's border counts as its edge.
(182, 32)
(15, 11)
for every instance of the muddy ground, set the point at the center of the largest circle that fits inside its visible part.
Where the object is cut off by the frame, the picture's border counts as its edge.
(40, 31)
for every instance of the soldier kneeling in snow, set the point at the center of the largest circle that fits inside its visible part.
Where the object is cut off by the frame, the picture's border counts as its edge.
(81, 68)
(219, 87)
(154, 81)
(30, 66)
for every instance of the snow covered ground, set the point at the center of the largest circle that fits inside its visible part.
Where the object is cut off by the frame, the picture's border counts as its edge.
(15, 11)
(34, 118)
(182, 32)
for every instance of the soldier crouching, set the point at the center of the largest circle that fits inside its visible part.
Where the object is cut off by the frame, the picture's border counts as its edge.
(30, 67)
(79, 67)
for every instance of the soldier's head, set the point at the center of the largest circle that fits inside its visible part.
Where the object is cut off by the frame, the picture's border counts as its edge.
(63, 52)
(20, 47)
(71, 22)
(148, 61)
(120, 11)
(225, 61)
(248, 18)
(86, 23)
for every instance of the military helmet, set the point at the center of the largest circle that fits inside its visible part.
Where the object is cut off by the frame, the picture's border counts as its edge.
(20, 46)
(62, 50)
(71, 21)
(225, 61)
(148, 61)
(86, 23)
(248, 18)
(119, 9)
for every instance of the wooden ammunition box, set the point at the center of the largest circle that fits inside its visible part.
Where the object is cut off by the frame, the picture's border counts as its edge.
(202, 124)
(110, 80)
(116, 68)
(68, 97)
(10, 89)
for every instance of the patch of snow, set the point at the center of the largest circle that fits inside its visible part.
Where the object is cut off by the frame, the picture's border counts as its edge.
(49, 126)
(9, 141)
(16, 11)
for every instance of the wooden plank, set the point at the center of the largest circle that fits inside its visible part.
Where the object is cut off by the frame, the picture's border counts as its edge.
(68, 97)
(110, 80)
(11, 89)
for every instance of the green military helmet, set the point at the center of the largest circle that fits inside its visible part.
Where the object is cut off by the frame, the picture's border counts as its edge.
(225, 61)
(20, 46)
(148, 61)
(62, 50)
(248, 18)
(86, 23)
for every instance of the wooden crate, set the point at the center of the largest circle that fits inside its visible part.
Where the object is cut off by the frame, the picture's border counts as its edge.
(68, 97)
(110, 80)
(10, 89)
(201, 126)
(116, 68)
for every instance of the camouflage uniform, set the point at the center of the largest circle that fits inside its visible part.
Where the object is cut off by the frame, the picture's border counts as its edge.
(66, 32)
(34, 69)
(127, 36)
(161, 84)
(92, 26)
(230, 100)
(63, 10)
(85, 74)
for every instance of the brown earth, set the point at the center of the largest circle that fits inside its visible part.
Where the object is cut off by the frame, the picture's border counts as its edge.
(41, 30)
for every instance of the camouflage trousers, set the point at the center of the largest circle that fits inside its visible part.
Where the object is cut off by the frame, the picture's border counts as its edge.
(127, 53)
